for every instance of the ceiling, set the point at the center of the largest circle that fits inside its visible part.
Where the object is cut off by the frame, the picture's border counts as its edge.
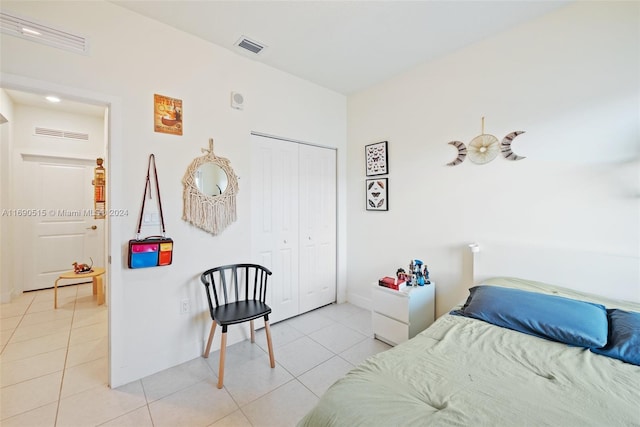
(66, 105)
(345, 46)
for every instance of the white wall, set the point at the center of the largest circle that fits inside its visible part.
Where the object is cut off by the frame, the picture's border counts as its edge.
(7, 287)
(131, 59)
(570, 79)
(27, 118)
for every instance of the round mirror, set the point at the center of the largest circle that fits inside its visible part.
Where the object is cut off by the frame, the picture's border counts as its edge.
(210, 188)
(211, 179)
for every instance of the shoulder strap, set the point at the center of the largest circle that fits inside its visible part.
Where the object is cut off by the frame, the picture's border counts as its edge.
(147, 186)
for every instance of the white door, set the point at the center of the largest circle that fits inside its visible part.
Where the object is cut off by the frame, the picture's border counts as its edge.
(317, 227)
(58, 226)
(274, 202)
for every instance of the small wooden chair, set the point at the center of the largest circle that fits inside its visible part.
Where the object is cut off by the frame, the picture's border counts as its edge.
(239, 292)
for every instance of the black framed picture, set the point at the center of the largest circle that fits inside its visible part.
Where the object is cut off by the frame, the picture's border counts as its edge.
(377, 194)
(376, 158)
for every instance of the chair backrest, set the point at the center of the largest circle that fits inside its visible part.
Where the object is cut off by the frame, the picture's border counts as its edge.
(235, 282)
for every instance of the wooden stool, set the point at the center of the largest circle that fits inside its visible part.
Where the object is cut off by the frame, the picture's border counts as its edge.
(98, 287)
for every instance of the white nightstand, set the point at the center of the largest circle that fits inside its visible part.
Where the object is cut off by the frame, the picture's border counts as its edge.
(400, 315)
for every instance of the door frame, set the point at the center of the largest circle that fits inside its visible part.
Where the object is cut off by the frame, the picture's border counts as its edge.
(113, 225)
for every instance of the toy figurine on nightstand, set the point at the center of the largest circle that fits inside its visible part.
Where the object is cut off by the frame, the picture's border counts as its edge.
(419, 274)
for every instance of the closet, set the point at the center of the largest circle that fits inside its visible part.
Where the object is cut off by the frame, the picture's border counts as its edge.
(293, 210)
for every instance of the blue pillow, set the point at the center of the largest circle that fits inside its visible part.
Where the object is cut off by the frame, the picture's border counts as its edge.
(624, 336)
(566, 320)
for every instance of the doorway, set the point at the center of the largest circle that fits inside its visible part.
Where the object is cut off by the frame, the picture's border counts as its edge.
(53, 152)
(112, 126)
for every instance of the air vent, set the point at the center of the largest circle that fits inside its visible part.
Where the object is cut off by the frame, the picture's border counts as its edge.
(250, 45)
(55, 133)
(29, 29)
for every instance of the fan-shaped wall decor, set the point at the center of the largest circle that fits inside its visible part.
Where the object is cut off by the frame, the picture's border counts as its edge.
(210, 188)
(483, 148)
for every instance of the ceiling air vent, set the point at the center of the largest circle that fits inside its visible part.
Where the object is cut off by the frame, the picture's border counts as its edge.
(55, 133)
(250, 45)
(28, 29)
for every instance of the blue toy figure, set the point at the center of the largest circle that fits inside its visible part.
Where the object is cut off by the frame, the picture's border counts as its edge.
(418, 275)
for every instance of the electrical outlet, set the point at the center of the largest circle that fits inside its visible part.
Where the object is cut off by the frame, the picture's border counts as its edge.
(185, 306)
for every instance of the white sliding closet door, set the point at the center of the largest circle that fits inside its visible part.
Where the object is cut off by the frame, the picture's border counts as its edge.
(317, 227)
(294, 223)
(275, 220)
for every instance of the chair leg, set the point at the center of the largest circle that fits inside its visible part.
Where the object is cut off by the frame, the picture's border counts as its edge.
(213, 331)
(223, 351)
(268, 332)
(253, 332)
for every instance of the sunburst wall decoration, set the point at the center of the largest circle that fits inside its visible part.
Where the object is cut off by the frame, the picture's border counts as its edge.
(484, 148)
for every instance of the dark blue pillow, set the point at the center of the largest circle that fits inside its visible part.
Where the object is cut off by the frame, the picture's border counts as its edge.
(624, 336)
(553, 317)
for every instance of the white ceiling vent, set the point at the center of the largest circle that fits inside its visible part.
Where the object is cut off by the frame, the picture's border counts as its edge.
(28, 29)
(55, 133)
(250, 45)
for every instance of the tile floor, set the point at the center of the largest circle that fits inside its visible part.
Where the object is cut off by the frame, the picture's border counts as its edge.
(53, 369)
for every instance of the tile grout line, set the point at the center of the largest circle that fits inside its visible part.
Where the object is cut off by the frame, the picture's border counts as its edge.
(146, 399)
(66, 357)
(16, 328)
(19, 323)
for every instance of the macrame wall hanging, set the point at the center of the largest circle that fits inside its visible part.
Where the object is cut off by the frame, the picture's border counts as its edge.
(210, 188)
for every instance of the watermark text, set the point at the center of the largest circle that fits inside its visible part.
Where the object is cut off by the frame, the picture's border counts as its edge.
(22, 212)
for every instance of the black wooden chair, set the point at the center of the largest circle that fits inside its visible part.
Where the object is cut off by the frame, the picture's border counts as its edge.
(236, 293)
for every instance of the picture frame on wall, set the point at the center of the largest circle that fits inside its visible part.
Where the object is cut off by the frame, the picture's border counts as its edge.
(376, 158)
(167, 115)
(377, 191)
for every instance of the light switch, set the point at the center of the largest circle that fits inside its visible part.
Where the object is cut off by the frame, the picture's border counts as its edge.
(152, 218)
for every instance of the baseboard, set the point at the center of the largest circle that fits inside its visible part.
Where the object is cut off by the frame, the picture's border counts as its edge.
(7, 296)
(359, 301)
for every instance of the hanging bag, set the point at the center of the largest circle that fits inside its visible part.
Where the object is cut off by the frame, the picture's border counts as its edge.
(152, 251)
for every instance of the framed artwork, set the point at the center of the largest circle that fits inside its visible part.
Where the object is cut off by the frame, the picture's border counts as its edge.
(378, 194)
(167, 115)
(376, 158)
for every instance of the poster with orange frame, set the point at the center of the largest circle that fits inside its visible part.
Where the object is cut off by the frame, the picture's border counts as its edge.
(167, 114)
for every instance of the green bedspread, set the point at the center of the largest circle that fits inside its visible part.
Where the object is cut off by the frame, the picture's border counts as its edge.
(465, 372)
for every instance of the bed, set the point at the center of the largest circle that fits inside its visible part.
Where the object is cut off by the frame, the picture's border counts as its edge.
(464, 370)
